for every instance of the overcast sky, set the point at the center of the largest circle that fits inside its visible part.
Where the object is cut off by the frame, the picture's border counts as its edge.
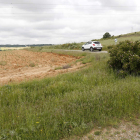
(65, 21)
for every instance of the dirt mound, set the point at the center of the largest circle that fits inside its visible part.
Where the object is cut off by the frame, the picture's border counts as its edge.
(23, 65)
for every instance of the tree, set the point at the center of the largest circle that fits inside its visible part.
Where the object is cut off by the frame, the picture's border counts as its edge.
(106, 35)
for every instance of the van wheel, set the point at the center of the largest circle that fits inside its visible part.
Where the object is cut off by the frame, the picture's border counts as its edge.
(91, 49)
(83, 49)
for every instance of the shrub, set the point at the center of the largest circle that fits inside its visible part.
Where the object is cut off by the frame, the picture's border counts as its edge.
(66, 66)
(3, 63)
(32, 64)
(97, 132)
(125, 57)
(69, 46)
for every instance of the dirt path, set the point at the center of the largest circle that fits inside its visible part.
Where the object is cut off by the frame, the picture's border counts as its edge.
(23, 65)
(124, 131)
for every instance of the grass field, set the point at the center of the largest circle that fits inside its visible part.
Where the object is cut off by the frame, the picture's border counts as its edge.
(68, 104)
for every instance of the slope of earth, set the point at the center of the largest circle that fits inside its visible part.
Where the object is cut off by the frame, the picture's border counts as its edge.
(23, 65)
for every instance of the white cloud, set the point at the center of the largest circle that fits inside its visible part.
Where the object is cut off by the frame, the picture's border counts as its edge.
(61, 21)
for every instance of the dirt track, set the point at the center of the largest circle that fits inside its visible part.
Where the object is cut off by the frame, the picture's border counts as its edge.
(23, 65)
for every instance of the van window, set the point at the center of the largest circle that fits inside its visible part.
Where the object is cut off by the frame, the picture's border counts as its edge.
(96, 42)
(89, 42)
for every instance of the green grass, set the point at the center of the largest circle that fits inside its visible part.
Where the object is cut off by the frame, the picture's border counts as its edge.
(97, 132)
(68, 46)
(68, 104)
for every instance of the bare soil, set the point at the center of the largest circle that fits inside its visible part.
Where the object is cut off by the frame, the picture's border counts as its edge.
(23, 65)
(124, 131)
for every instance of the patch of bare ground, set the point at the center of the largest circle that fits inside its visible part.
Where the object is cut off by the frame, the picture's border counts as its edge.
(123, 131)
(23, 65)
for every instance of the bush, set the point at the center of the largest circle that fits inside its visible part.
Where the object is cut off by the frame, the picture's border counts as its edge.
(69, 46)
(125, 58)
(32, 64)
(3, 63)
(106, 35)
